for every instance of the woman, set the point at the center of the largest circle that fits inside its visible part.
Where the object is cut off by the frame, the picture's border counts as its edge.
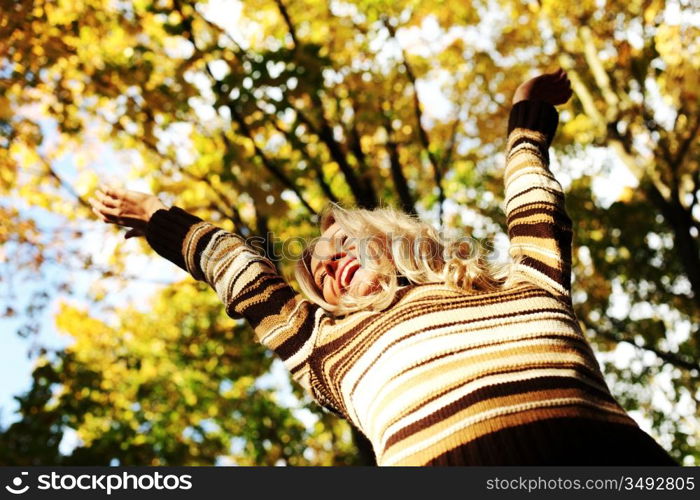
(434, 355)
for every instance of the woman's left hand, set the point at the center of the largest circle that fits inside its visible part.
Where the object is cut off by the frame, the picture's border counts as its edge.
(125, 208)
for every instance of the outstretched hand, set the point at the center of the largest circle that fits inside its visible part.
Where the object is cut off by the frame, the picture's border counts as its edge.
(554, 88)
(132, 209)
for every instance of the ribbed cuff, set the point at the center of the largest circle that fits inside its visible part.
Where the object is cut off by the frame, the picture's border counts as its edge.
(166, 231)
(534, 115)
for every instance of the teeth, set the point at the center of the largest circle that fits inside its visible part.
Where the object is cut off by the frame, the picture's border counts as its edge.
(348, 268)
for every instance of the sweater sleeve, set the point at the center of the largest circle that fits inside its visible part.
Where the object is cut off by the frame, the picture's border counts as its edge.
(538, 226)
(245, 281)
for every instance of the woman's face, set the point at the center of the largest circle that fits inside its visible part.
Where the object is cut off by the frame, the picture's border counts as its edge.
(336, 269)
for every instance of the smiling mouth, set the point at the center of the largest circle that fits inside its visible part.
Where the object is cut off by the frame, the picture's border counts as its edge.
(348, 273)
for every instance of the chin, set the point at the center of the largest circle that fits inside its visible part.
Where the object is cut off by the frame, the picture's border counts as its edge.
(364, 283)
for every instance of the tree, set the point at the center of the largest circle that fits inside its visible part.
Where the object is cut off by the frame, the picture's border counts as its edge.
(255, 127)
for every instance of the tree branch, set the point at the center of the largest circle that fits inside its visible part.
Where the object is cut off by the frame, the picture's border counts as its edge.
(669, 357)
(599, 74)
(364, 194)
(680, 222)
(422, 133)
(228, 209)
(288, 21)
(267, 163)
(685, 143)
(302, 148)
(623, 147)
(264, 232)
(405, 197)
(52, 173)
(365, 198)
(355, 141)
(355, 144)
(694, 191)
(452, 142)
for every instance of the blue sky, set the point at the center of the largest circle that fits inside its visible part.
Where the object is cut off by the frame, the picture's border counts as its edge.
(15, 364)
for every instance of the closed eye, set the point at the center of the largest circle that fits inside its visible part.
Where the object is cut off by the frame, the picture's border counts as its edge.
(324, 275)
(322, 280)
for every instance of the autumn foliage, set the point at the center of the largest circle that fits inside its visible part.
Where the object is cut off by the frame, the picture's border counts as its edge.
(255, 114)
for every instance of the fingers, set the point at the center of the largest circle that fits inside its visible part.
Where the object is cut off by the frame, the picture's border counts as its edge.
(98, 214)
(106, 199)
(558, 72)
(556, 76)
(564, 78)
(109, 195)
(554, 88)
(133, 233)
(561, 82)
(567, 86)
(106, 203)
(111, 190)
(104, 216)
(110, 211)
(111, 206)
(104, 211)
(562, 97)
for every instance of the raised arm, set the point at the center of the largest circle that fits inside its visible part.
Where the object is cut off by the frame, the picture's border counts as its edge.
(538, 226)
(245, 281)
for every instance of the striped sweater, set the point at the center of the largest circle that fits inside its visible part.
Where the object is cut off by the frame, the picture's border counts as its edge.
(442, 376)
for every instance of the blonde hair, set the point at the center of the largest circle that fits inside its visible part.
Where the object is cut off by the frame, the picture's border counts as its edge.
(395, 244)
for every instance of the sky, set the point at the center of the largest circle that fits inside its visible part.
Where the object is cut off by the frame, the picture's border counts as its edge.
(99, 239)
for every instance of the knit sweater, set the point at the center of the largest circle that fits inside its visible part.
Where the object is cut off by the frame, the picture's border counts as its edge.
(442, 376)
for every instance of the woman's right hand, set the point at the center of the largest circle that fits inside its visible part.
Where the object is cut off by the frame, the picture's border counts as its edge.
(125, 208)
(554, 88)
